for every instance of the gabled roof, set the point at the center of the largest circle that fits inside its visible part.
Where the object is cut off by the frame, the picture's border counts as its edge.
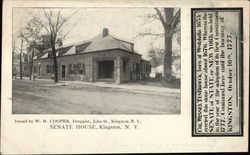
(62, 50)
(98, 43)
(80, 48)
(45, 55)
(66, 50)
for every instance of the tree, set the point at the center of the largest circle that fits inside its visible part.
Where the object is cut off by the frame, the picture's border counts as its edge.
(53, 22)
(156, 56)
(32, 37)
(170, 20)
(21, 37)
(14, 52)
(153, 58)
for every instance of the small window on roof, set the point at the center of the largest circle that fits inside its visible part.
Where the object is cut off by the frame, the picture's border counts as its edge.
(50, 54)
(77, 49)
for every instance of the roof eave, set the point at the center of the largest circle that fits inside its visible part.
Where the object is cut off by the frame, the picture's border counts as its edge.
(112, 49)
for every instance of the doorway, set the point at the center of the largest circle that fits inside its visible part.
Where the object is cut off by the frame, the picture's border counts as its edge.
(63, 71)
(106, 69)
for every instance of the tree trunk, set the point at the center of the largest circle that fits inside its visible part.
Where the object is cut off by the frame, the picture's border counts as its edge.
(20, 62)
(55, 63)
(167, 59)
(169, 13)
(31, 63)
(13, 54)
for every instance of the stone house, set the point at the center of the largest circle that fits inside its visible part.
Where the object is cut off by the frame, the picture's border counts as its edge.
(104, 58)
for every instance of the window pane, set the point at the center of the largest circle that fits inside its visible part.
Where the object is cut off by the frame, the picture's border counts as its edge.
(47, 68)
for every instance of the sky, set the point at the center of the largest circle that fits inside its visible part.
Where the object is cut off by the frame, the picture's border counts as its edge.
(86, 23)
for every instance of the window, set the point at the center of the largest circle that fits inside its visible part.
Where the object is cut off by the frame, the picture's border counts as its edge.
(134, 67)
(81, 69)
(25, 58)
(72, 69)
(124, 66)
(47, 69)
(77, 49)
(148, 67)
(29, 57)
(51, 68)
(50, 54)
(35, 69)
(137, 69)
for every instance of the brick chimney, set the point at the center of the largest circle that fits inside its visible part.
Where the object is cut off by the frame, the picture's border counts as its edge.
(105, 32)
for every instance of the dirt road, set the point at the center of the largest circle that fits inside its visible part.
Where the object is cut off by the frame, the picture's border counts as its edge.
(44, 97)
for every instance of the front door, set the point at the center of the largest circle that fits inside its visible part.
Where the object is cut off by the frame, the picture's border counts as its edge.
(63, 71)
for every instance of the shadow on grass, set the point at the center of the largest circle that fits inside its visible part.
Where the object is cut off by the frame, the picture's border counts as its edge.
(158, 82)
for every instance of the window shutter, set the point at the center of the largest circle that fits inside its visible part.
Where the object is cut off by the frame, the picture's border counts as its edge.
(83, 68)
(78, 68)
(69, 68)
(74, 68)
